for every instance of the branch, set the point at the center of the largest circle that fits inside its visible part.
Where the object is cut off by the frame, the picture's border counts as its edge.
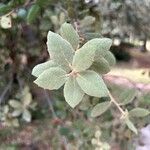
(50, 104)
(116, 104)
(5, 91)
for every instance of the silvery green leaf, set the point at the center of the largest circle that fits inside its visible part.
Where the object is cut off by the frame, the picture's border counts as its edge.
(15, 104)
(100, 109)
(101, 66)
(26, 116)
(139, 112)
(92, 84)
(84, 57)
(110, 58)
(127, 96)
(100, 45)
(60, 50)
(72, 92)
(16, 113)
(40, 68)
(90, 51)
(52, 78)
(70, 34)
(131, 125)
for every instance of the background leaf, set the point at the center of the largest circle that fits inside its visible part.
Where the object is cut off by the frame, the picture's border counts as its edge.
(26, 115)
(27, 99)
(131, 126)
(15, 104)
(100, 109)
(16, 112)
(139, 112)
(4, 8)
(5, 22)
(33, 13)
(88, 20)
(127, 96)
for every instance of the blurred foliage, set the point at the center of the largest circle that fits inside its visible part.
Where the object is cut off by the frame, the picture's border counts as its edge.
(23, 29)
(12, 112)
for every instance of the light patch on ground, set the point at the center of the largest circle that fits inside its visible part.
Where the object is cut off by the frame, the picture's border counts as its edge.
(134, 74)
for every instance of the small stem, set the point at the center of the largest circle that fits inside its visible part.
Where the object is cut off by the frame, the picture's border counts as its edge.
(117, 105)
(5, 91)
(50, 104)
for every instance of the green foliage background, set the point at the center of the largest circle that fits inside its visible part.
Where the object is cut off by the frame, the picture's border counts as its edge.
(23, 45)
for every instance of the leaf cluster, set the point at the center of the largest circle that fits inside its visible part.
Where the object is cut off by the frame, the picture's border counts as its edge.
(76, 67)
(16, 109)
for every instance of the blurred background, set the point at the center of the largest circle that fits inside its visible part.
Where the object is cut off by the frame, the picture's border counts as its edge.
(42, 119)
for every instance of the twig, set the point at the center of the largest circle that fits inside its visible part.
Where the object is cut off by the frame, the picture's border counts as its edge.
(5, 91)
(116, 104)
(20, 84)
(50, 104)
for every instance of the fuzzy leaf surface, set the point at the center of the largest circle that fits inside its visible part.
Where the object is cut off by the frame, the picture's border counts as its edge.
(60, 50)
(101, 66)
(92, 84)
(127, 96)
(52, 78)
(69, 33)
(101, 45)
(110, 58)
(40, 68)
(72, 92)
(84, 57)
